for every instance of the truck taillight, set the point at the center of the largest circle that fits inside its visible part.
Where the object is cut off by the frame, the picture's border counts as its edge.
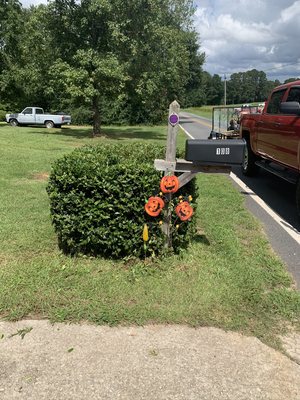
(62, 119)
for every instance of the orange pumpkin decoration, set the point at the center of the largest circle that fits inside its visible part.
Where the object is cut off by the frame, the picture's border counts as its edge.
(154, 206)
(169, 184)
(184, 210)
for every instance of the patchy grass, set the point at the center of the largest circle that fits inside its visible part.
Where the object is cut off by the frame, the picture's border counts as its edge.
(228, 278)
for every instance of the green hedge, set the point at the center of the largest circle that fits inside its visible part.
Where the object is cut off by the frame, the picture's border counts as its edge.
(97, 197)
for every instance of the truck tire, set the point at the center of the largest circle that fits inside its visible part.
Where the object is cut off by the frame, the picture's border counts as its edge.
(13, 122)
(249, 168)
(298, 196)
(49, 124)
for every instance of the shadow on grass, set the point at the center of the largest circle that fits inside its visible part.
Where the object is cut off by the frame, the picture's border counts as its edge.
(114, 133)
(198, 238)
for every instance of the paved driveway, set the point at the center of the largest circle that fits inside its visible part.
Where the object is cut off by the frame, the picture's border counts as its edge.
(153, 362)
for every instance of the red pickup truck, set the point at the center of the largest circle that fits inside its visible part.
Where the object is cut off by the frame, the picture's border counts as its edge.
(273, 136)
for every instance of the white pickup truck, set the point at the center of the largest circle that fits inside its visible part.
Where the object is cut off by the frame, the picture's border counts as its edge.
(36, 116)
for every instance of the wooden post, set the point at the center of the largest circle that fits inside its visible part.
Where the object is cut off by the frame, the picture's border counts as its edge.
(171, 157)
(172, 132)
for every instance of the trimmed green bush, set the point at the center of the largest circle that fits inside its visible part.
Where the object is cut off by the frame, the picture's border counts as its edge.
(97, 197)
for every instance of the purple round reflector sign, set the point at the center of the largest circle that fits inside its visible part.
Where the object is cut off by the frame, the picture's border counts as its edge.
(173, 119)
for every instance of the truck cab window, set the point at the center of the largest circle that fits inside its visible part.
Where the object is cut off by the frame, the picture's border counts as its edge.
(27, 111)
(39, 111)
(274, 103)
(294, 94)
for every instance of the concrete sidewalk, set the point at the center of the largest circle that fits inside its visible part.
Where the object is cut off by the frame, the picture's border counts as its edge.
(154, 362)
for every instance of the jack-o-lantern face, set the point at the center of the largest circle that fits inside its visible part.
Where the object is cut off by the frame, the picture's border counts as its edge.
(154, 206)
(169, 184)
(184, 211)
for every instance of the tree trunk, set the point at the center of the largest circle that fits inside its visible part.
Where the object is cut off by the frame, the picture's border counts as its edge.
(96, 117)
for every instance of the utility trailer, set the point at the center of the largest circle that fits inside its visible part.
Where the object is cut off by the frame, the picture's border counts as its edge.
(226, 120)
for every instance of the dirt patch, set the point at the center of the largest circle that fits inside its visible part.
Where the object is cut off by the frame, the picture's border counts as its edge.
(4, 259)
(41, 176)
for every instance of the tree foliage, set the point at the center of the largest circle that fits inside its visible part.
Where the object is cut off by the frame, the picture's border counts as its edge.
(12, 17)
(120, 59)
(117, 61)
(250, 86)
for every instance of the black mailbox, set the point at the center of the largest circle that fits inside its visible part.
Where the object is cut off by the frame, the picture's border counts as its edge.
(215, 152)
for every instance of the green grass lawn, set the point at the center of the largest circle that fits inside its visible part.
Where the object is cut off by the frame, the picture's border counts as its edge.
(228, 278)
(204, 111)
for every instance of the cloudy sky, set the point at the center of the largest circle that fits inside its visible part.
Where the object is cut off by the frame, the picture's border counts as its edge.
(238, 35)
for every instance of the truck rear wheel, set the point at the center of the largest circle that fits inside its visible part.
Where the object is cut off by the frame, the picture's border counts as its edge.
(249, 168)
(13, 122)
(49, 124)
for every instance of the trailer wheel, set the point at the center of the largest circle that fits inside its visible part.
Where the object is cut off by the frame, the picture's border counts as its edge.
(298, 196)
(49, 124)
(13, 122)
(249, 168)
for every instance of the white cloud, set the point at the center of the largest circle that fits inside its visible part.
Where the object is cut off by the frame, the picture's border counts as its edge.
(291, 12)
(240, 35)
(225, 27)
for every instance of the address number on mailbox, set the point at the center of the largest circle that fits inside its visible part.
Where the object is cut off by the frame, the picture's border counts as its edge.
(214, 152)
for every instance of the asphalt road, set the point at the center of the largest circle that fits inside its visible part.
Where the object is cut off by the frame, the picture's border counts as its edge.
(276, 193)
(197, 127)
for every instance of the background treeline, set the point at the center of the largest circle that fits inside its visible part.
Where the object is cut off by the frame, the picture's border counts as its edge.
(110, 61)
(102, 60)
(241, 87)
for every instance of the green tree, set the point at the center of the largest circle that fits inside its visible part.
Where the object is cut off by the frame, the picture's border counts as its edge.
(12, 18)
(124, 57)
(120, 59)
(235, 88)
(215, 90)
(194, 93)
(291, 80)
(156, 41)
(254, 85)
(86, 69)
(88, 80)
(27, 55)
(247, 87)
(36, 57)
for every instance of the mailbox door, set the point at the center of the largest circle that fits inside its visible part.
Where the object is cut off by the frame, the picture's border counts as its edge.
(215, 152)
